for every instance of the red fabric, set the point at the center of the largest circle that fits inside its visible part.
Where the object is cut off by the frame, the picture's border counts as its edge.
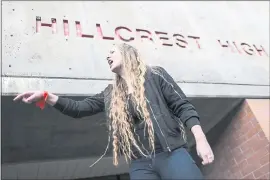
(42, 102)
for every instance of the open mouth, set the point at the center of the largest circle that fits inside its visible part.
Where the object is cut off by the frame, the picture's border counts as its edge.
(110, 62)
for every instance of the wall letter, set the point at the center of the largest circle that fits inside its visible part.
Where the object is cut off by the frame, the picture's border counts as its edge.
(251, 50)
(79, 31)
(260, 50)
(101, 33)
(120, 37)
(66, 28)
(237, 48)
(39, 24)
(163, 38)
(149, 36)
(224, 45)
(184, 45)
(196, 39)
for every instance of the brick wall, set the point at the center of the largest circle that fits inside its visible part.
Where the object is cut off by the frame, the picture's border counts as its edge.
(242, 151)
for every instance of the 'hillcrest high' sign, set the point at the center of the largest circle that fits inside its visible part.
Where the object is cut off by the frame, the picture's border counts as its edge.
(166, 39)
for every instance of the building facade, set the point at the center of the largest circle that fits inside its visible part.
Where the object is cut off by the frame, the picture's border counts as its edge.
(217, 52)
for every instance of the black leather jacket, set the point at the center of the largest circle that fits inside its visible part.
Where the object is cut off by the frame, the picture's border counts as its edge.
(166, 103)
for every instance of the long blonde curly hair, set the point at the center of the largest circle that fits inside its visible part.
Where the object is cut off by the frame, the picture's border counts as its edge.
(121, 122)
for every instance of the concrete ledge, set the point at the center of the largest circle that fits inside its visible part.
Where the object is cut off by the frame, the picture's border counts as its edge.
(63, 169)
(81, 87)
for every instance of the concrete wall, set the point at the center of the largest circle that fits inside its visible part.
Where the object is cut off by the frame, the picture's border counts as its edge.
(212, 48)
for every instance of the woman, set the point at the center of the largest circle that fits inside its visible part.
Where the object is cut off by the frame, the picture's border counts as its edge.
(147, 112)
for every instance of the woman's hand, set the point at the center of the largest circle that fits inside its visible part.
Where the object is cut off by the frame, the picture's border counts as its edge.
(30, 96)
(204, 150)
(34, 96)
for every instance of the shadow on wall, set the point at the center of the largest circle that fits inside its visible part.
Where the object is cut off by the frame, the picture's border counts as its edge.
(31, 134)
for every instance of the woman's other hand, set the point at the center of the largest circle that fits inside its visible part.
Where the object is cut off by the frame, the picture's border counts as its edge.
(203, 148)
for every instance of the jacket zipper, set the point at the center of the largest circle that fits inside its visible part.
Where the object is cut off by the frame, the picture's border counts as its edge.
(168, 148)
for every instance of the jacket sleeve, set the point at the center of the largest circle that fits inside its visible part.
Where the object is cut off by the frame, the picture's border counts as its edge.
(78, 109)
(176, 100)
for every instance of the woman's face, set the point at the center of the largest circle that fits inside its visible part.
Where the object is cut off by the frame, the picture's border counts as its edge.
(114, 59)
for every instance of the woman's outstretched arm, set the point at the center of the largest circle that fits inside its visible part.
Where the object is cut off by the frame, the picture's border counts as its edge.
(76, 109)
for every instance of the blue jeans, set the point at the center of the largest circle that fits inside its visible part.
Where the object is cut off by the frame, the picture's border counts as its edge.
(177, 164)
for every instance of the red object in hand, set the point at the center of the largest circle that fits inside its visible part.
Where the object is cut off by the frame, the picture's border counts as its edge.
(42, 102)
